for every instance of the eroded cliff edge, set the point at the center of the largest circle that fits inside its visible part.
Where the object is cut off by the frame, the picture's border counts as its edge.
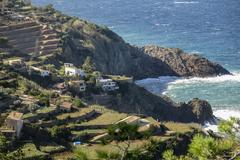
(112, 55)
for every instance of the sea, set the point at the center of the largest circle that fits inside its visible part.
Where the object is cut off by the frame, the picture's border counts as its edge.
(210, 28)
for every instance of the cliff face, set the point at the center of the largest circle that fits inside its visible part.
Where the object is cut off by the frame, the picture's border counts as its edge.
(114, 56)
(161, 108)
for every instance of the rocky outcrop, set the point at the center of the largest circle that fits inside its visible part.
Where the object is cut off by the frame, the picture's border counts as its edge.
(137, 100)
(185, 64)
(201, 109)
(114, 56)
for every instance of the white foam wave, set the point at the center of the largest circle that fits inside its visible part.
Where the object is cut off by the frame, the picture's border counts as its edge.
(224, 114)
(235, 77)
(186, 2)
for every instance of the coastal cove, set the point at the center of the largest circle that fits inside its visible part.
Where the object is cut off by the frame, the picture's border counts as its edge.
(174, 24)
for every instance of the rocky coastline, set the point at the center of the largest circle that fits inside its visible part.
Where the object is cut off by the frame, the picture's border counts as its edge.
(112, 55)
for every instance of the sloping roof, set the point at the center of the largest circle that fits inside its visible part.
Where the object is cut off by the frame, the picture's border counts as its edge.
(130, 119)
(59, 86)
(67, 105)
(15, 115)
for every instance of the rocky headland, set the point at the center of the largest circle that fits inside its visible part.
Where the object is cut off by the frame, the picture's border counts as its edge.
(112, 55)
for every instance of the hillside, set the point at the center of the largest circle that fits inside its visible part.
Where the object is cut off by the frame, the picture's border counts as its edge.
(60, 38)
(67, 81)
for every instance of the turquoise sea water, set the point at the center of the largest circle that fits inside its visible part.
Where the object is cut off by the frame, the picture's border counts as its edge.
(207, 27)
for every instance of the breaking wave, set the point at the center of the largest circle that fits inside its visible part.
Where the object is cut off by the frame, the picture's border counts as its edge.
(235, 77)
(186, 2)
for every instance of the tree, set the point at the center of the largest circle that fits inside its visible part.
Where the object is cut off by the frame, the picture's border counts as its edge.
(123, 132)
(4, 151)
(3, 143)
(205, 147)
(80, 155)
(78, 103)
(60, 132)
(88, 66)
(229, 127)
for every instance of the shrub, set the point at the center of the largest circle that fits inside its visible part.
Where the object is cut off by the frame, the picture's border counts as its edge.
(78, 103)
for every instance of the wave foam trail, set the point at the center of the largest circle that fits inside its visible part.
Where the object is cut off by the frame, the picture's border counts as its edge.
(226, 114)
(235, 77)
(221, 114)
(186, 2)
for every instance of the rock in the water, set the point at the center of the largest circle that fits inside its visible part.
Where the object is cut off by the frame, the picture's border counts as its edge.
(185, 64)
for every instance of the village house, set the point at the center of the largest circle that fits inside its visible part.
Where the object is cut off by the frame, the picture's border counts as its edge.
(60, 87)
(45, 73)
(66, 106)
(71, 70)
(13, 125)
(143, 124)
(107, 84)
(78, 86)
(42, 72)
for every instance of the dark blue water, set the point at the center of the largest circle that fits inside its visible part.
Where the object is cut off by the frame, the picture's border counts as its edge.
(207, 27)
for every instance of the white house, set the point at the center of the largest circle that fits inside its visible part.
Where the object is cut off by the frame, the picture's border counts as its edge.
(73, 71)
(107, 84)
(43, 73)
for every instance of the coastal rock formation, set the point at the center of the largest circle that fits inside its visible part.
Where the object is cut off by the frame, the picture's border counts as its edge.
(112, 55)
(185, 64)
(161, 108)
(202, 109)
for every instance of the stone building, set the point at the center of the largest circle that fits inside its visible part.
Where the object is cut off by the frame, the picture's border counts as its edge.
(13, 125)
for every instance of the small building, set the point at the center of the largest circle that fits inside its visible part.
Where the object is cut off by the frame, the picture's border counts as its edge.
(68, 65)
(13, 125)
(78, 86)
(60, 87)
(73, 71)
(107, 84)
(42, 72)
(66, 106)
(143, 124)
(45, 73)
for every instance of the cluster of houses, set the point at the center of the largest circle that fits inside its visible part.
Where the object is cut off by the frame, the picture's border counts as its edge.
(18, 64)
(79, 85)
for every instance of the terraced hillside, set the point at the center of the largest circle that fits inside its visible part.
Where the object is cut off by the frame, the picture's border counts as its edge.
(31, 37)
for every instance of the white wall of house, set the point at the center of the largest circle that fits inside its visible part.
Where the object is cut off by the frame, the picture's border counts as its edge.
(72, 71)
(108, 84)
(45, 73)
